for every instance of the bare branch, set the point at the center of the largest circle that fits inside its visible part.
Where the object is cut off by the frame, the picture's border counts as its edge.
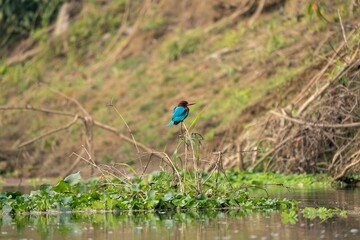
(43, 110)
(323, 88)
(68, 98)
(49, 132)
(321, 125)
(272, 151)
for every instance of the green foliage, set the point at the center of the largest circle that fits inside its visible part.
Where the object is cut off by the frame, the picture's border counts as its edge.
(73, 179)
(19, 18)
(157, 191)
(263, 178)
(323, 213)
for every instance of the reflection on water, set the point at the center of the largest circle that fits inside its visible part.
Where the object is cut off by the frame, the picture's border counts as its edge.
(232, 224)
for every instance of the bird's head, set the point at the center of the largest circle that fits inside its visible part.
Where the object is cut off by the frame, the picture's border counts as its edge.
(185, 104)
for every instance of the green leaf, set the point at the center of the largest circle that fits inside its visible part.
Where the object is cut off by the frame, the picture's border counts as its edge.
(45, 187)
(195, 120)
(73, 179)
(135, 187)
(168, 196)
(151, 194)
(174, 157)
(66, 200)
(98, 205)
(62, 186)
(309, 9)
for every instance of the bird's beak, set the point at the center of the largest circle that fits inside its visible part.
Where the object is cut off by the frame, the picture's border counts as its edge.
(190, 104)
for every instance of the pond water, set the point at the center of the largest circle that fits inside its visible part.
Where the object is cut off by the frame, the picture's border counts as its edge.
(230, 224)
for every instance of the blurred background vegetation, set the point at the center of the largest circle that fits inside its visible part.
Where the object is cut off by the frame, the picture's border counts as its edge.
(237, 59)
(20, 18)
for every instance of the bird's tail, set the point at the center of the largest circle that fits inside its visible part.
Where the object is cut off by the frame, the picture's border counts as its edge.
(170, 123)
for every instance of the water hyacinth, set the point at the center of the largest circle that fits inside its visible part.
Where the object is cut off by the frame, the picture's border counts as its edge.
(158, 191)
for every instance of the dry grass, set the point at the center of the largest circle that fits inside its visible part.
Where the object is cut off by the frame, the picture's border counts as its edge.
(319, 131)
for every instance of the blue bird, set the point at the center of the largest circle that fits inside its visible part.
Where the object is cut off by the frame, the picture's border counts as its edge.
(180, 113)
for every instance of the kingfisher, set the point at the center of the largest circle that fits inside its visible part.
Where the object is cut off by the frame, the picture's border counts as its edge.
(180, 112)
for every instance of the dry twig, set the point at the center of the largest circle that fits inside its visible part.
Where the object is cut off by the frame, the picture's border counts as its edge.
(321, 125)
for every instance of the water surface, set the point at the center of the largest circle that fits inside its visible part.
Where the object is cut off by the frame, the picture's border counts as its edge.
(230, 224)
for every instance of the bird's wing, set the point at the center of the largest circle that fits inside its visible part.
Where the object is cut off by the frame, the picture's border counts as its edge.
(179, 113)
